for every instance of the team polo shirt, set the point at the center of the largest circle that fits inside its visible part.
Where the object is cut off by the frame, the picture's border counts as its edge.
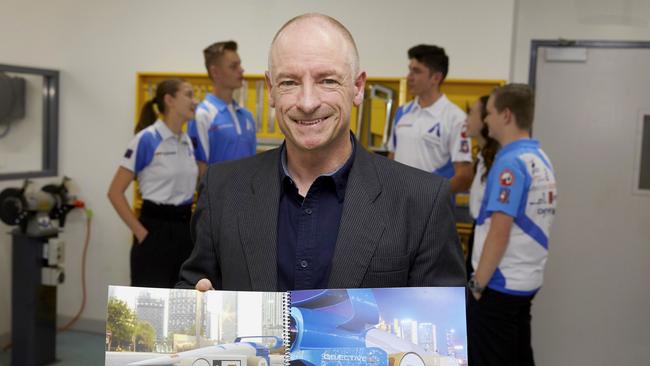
(431, 138)
(520, 184)
(164, 165)
(221, 131)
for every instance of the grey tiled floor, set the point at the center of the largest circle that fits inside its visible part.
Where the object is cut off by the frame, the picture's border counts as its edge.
(72, 349)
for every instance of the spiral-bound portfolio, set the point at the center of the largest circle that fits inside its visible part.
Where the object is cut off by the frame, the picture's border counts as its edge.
(338, 327)
(286, 327)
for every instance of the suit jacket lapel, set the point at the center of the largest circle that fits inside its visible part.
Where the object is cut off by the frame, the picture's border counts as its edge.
(360, 228)
(258, 219)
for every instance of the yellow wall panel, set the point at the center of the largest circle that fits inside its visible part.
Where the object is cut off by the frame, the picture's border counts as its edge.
(461, 92)
(254, 96)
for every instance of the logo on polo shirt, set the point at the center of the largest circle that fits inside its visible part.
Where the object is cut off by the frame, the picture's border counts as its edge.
(541, 200)
(128, 153)
(402, 123)
(551, 197)
(506, 178)
(436, 129)
(543, 212)
(216, 127)
(504, 195)
(464, 146)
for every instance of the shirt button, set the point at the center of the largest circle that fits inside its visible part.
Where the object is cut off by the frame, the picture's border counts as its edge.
(303, 263)
(308, 211)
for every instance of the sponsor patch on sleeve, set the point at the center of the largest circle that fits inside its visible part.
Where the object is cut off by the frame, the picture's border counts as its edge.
(464, 146)
(128, 153)
(504, 195)
(506, 178)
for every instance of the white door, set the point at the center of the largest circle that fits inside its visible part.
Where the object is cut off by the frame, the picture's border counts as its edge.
(593, 308)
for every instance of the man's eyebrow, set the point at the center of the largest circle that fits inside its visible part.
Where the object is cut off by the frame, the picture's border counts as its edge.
(327, 72)
(286, 75)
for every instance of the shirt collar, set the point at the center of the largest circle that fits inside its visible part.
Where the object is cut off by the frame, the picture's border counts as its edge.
(435, 108)
(219, 103)
(518, 144)
(339, 175)
(163, 130)
(165, 133)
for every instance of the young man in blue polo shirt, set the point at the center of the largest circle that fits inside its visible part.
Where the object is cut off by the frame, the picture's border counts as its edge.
(222, 130)
(512, 231)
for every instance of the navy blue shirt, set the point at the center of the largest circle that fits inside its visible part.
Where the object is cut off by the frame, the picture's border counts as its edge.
(308, 227)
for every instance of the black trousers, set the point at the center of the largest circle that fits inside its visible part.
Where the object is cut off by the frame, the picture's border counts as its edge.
(499, 329)
(157, 260)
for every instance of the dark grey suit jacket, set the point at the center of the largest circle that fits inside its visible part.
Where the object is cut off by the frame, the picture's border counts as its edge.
(397, 227)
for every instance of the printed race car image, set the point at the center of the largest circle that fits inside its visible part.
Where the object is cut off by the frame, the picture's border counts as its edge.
(238, 353)
(322, 335)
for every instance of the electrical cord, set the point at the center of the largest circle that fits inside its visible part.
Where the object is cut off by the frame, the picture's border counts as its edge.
(89, 217)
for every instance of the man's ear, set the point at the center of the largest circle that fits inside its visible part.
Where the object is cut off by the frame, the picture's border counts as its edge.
(359, 88)
(507, 115)
(212, 71)
(436, 77)
(269, 86)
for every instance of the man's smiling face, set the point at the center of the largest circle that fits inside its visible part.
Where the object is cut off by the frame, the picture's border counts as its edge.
(313, 85)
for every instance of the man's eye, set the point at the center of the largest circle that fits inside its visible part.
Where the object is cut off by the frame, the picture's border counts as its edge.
(330, 82)
(287, 83)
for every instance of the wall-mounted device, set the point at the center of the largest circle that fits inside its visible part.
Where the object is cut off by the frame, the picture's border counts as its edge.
(29, 122)
(12, 101)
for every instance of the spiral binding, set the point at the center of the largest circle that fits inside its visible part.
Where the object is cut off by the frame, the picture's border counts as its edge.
(286, 321)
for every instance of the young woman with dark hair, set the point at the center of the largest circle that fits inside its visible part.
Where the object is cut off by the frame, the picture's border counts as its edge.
(161, 158)
(488, 147)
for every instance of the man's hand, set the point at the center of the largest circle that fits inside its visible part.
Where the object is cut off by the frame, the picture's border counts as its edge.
(477, 295)
(203, 285)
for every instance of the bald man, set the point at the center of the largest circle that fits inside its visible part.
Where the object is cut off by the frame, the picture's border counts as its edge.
(320, 211)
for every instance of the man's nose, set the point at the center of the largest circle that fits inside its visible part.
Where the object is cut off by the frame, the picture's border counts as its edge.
(309, 98)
